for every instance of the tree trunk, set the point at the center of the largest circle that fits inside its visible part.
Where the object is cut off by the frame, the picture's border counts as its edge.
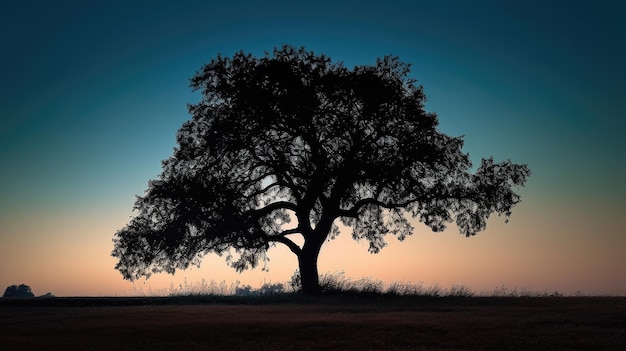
(307, 261)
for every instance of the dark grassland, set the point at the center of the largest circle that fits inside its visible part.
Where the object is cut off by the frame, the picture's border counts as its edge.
(293, 322)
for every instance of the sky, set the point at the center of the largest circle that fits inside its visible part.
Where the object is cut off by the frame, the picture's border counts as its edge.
(92, 94)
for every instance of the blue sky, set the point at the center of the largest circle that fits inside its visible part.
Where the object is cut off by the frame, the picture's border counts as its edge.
(93, 93)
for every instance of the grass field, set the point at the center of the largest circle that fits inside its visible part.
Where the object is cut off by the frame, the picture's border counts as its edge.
(326, 323)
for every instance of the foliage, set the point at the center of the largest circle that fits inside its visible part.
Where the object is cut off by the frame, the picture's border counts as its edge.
(21, 290)
(292, 137)
(332, 283)
(212, 288)
(338, 283)
(265, 290)
(296, 281)
(203, 288)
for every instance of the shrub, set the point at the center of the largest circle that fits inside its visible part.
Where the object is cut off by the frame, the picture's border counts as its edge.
(21, 290)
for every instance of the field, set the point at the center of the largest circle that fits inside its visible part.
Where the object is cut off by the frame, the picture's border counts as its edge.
(327, 323)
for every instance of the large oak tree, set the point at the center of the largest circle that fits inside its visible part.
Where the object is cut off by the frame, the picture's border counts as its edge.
(292, 143)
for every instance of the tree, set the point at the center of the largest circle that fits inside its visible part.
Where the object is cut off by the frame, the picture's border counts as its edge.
(293, 144)
(22, 290)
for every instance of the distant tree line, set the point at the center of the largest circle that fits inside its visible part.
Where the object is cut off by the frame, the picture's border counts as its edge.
(21, 290)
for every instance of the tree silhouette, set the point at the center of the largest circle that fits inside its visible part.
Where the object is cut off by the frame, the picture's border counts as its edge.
(290, 144)
(22, 290)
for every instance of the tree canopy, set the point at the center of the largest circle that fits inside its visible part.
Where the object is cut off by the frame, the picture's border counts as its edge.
(22, 290)
(293, 143)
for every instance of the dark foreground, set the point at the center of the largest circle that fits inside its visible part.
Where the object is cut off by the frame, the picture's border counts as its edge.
(537, 323)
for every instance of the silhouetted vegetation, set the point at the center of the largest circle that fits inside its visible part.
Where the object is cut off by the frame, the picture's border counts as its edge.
(21, 290)
(333, 284)
(294, 137)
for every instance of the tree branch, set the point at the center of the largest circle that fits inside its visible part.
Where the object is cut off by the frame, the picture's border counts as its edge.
(261, 191)
(296, 230)
(273, 207)
(284, 240)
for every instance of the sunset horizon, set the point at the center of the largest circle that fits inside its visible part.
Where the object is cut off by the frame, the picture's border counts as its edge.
(94, 95)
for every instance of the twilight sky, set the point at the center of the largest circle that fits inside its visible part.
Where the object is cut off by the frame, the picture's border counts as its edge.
(92, 94)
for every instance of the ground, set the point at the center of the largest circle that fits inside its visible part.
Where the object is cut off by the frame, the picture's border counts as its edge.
(345, 323)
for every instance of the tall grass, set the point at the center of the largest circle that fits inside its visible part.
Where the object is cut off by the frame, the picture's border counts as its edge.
(334, 283)
(202, 288)
(337, 282)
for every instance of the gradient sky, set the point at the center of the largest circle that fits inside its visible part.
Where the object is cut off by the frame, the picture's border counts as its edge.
(92, 94)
